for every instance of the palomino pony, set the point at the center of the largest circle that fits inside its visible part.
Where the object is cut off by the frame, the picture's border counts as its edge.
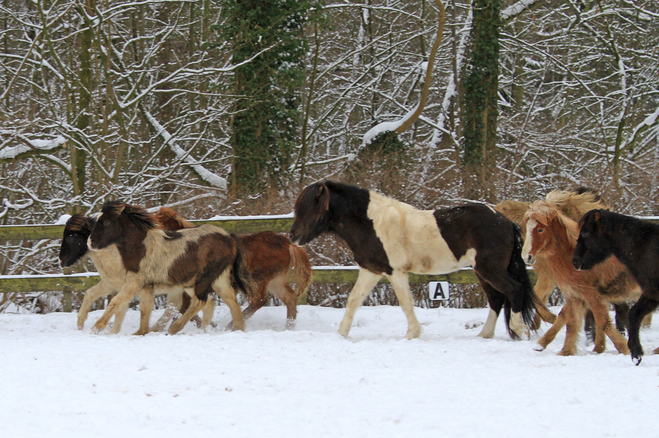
(635, 243)
(198, 259)
(113, 276)
(391, 238)
(273, 262)
(573, 204)
(552, 235)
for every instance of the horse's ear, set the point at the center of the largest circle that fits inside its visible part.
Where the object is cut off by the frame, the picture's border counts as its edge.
(597, 216)
(322, 196)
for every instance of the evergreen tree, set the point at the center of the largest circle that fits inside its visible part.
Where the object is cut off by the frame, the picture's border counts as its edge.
(481, 85)
(266, 112)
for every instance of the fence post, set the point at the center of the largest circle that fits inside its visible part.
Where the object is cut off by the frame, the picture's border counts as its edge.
(67, 299)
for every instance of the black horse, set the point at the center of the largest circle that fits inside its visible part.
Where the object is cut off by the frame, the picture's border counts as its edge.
(391, 238)
(635, 243)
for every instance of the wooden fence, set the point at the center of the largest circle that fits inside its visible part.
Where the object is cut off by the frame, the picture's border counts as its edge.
(82, 281)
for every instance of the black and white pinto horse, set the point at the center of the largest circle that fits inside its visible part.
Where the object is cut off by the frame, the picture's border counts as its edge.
(200, 260)
(392, 238)
(635, 243)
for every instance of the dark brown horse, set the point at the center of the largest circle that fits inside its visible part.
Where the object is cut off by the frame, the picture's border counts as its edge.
(273, 261)
(391, 238)
(635, 243)
(552, 235)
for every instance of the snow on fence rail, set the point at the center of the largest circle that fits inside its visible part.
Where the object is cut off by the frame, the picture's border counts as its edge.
(250, 224)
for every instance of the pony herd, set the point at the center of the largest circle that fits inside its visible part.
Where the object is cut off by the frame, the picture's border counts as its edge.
(610, 261)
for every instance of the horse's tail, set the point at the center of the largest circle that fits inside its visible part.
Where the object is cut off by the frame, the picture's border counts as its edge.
(300, 269)
(241, 276)
(524, 297)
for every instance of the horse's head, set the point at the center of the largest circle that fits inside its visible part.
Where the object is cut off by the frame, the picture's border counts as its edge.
(548, 231)
(311, 214)
(119, 222)
(593, 245)
(74, 241)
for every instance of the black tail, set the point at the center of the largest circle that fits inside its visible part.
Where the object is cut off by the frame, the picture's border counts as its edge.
(524, 296)
(241, 276)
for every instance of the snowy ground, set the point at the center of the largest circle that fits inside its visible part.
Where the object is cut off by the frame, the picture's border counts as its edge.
(57, 381)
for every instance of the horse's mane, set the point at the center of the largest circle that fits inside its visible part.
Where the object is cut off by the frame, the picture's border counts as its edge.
(77, 222)
(169, 219)
(513, 210)
(575, 203)
(142, 219)
(546, 213)
(314, 193)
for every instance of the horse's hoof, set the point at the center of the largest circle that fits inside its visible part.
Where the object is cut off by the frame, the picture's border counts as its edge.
(140, 333)
(96, 330)
(413, 334)
(539, 347)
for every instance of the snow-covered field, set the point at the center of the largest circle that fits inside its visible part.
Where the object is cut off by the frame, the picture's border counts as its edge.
(57, 381)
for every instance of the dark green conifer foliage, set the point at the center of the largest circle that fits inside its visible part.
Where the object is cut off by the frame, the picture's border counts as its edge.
(481, 84)
(266, 113)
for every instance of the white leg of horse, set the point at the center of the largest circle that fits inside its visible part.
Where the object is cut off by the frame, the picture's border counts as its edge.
(517, 325)
(95, 292)
(488, 329)
(119, 318)
(146, 307)
(127, 292)
(207, 312)
(401, 284)
(365, 282)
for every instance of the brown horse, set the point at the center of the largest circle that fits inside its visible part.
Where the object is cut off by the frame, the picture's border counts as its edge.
(573, 204)
(552, 235)
(273, 261)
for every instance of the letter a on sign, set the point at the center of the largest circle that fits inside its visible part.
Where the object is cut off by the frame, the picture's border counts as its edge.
(438, 290)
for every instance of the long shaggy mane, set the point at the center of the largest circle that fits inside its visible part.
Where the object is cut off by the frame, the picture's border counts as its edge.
(142, 219)
(547, 214)
(77, 222)
(575, 203)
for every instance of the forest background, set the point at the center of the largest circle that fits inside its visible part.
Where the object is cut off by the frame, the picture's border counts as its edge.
(224, 107)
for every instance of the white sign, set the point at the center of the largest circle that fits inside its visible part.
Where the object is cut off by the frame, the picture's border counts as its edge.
(438, 290)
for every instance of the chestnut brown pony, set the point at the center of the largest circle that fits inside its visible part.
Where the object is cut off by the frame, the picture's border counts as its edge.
(552, 235)
(273, 261)
(573, 204)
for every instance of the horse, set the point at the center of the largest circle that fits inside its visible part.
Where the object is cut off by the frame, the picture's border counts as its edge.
(552, 235)
(201, 260)
(635, 242)
(273, 262)
(392, 238)
(573, 204)
(113, 275)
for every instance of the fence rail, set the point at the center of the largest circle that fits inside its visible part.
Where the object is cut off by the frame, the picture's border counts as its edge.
(282, 224)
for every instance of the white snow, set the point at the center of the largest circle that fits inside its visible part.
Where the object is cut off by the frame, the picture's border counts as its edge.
(57, 381)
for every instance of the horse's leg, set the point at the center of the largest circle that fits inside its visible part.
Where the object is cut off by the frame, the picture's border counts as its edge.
(119, 318)
(257, 301)
(127, 292)
(573, 321)
(207, 312)
(95, 292)
(643, 307)
(146, 307)
(365, 282)
(174, 301)
(495, 300)
(195, 306)
(401, 283)
(543, 288)
(282, 290)
(622, 316)
(227, 294)
(556, 327)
